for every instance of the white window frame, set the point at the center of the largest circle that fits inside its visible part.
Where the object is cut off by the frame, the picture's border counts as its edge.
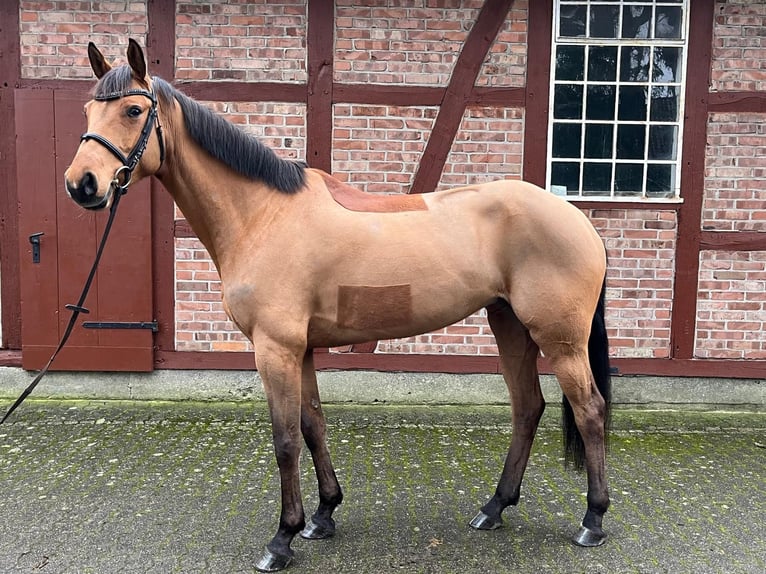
(556, 40)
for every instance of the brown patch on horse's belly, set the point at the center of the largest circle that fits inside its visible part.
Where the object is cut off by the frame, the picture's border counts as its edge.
(357, 200)
(364, 307)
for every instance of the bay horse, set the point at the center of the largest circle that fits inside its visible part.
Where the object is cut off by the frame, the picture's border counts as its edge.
(307, 261)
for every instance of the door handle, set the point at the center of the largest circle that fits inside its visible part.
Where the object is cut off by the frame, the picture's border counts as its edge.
(34, 239)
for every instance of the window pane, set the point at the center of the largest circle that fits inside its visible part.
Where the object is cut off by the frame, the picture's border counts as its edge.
(632, 106)
(566, 140)
(570, 63)
(567, 102)
(603, 21)
(634, 64)
(662, 142)
(667, 22)
(567, 175)
(572, 21)
(598, 140)
(600, 103)
(660, 180)
(667, 65)
(602, 63)
(597, 177)
(629, 178)
(664, 104)
(636, 21)
(630, 141)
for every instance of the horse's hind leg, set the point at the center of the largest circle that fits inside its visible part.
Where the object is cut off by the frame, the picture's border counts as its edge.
(321, 524)
(518, 356)
(573, 370)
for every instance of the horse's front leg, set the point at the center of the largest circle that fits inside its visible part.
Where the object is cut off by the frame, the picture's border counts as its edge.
(314, 431)
(280, 370)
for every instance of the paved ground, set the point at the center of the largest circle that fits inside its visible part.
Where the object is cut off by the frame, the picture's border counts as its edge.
(165, 488)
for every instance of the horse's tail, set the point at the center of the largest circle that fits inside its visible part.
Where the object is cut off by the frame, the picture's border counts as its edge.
(598, 353)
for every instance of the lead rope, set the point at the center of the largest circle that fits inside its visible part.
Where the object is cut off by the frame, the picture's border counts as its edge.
(119, 191)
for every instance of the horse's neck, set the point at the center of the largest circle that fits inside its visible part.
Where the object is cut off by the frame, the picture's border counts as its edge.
(217, 203)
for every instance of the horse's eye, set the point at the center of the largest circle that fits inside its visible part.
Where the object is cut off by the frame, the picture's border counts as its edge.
(133, 112)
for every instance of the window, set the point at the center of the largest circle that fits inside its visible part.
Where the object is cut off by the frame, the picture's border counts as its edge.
(617, 99)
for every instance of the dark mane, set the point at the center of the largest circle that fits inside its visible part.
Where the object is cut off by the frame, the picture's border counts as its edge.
(226, 142)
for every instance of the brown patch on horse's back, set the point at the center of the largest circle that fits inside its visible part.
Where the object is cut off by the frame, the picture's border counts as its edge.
(356, 200)
(365, 307)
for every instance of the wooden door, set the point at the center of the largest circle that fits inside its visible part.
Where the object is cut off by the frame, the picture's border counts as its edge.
(49, 124)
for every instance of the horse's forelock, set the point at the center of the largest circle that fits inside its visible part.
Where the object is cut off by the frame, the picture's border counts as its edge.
(115, 80)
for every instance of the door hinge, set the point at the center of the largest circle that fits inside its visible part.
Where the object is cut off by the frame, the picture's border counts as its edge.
(121, 325)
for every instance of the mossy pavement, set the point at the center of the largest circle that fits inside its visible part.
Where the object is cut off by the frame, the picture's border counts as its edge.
(134, 487)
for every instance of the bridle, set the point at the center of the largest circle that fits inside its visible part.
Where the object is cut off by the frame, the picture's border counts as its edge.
(124, 173)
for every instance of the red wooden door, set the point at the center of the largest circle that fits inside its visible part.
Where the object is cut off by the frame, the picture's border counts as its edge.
(49, 124)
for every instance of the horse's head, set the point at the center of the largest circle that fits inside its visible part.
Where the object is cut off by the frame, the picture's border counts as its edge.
(124, 141)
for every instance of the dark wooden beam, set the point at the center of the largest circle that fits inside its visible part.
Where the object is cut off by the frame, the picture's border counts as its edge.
(483, 33)
(234, 91)
(320, 46)
(684, 313)
(737, 102)
(539, 30)
(161, 38)
(464, 364)
(161, 48)
(732, 241)
(10, 73)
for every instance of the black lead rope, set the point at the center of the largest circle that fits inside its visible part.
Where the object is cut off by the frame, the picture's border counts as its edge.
(119, 191)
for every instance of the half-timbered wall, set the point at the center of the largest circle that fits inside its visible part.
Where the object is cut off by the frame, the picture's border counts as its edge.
(376, 92)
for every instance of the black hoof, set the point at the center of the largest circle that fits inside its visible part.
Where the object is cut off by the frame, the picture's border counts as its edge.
(314, 531)
(271, 562)
(589, 538)
(483, 522)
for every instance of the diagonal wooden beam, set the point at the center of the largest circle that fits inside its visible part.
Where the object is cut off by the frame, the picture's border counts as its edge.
(491, 18)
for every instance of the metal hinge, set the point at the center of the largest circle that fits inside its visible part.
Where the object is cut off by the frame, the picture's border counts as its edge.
(121, 325)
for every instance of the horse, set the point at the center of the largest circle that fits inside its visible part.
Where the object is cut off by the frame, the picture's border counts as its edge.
(307, 262)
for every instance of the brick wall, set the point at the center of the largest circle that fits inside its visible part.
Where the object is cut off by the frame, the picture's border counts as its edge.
(55, 34)
(377, 148)
(731, 305)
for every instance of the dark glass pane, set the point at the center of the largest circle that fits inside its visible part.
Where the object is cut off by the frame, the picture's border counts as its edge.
(566, 175)
(636, 21)
(602, 63)
(597, 177)
(567, 102)
(600, 103)
(603, 21)
(634, 64)
(572, 21)
(662, 142)
(632, 105)
(667, 65)
(667, 22)
(630, 141)
(570, 63)
(664, 104)
(598, 140)
(566, 140)
(628, 178)
(660, 180)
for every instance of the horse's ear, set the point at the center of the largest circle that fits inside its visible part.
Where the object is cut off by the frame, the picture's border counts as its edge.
(97, 61)
(137, 61)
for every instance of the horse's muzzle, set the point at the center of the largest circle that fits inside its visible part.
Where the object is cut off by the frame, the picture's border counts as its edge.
(85, 192)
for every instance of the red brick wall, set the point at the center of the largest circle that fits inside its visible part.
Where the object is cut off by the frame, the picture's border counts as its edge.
(416, 42)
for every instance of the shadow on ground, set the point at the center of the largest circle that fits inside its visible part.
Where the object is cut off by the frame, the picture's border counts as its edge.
(186, 488)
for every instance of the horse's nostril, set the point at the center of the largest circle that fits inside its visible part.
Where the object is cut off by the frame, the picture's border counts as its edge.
(89, 184)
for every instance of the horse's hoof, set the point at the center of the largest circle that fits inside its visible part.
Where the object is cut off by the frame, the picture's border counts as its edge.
(483, 522)
(314, 531)
(589, 538)
(271, 562)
